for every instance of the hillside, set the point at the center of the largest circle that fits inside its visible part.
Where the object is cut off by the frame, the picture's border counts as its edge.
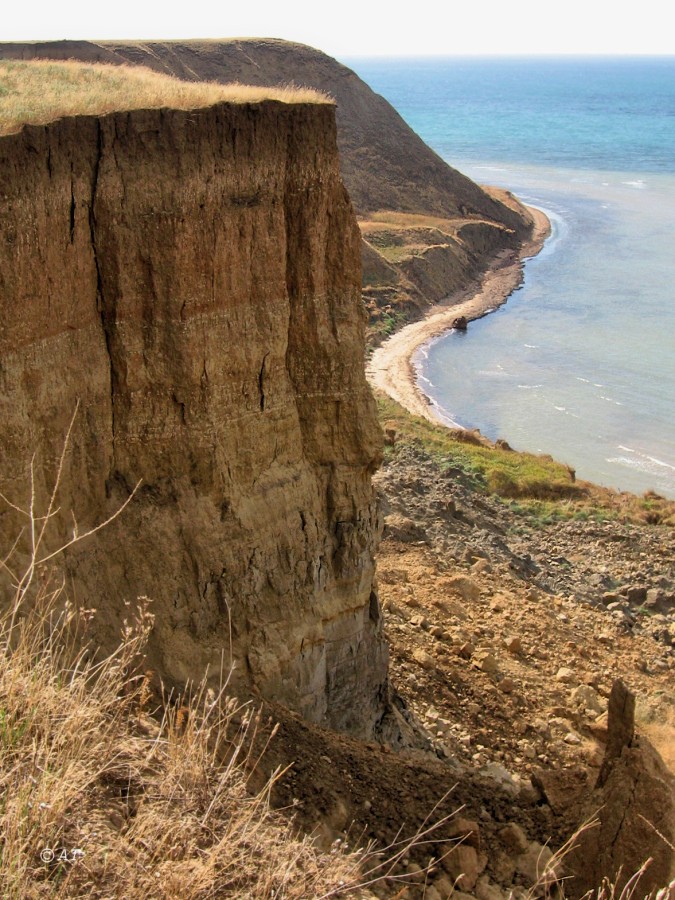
(385, 165)
(509, 625)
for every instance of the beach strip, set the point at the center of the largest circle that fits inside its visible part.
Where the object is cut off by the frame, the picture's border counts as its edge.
(391, 367)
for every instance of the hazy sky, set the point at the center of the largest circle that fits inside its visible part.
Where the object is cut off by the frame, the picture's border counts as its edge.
(361, 27)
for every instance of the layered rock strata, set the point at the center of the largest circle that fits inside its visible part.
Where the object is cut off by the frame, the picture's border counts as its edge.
(192, 280)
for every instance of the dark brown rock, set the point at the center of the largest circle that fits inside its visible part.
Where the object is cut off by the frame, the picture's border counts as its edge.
(620, 727)
(634, 820)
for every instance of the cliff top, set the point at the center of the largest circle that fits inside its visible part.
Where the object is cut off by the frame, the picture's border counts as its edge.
(41, 91)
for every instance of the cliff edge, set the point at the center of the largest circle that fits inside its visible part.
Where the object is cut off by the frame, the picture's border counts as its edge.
(192, 278)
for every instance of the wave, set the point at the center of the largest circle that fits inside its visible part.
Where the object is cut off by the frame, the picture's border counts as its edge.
(650, 465)
(660, 462)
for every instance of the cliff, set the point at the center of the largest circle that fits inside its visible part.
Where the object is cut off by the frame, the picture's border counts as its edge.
(193, 280)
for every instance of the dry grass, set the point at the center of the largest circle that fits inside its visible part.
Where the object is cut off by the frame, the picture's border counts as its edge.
(391, 218)
(41, 91)
(101, 799)
(101, 796)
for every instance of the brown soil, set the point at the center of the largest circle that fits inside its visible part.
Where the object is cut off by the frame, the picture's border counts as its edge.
(463, 581)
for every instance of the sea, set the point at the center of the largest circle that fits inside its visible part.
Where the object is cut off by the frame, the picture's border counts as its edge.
(580, 363)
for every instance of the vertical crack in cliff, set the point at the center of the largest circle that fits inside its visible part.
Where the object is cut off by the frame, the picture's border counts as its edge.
(106, 311)
(261, 382)
(72, 206)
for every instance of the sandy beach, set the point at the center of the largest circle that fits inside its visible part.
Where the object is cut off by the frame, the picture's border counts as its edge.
(391, 368)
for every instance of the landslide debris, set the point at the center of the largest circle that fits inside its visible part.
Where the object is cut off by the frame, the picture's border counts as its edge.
(506, 644)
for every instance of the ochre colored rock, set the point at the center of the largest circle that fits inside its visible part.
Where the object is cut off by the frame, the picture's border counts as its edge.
(634, 812)
(193, 280)
(462, 864)
(466, 830)
(620, 727)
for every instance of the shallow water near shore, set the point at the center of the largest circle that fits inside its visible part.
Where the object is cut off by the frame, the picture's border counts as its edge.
(580, 362)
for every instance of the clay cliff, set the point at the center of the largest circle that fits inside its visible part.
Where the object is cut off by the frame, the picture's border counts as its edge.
(192, 279)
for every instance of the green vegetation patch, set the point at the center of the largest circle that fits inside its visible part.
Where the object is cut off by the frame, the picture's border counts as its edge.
(538, 487)
(41, 91)
(507, 473)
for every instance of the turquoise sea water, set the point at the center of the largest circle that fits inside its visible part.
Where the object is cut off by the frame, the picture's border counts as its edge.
(580, 363)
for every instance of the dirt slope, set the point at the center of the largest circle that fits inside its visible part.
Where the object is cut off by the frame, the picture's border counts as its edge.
(506, 637)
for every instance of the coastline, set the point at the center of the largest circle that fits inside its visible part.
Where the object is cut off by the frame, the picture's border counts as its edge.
(391, 368)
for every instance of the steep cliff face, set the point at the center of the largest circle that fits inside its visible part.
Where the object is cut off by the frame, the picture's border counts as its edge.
(193, 279)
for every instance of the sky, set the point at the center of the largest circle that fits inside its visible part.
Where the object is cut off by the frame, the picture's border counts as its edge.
(362, 27)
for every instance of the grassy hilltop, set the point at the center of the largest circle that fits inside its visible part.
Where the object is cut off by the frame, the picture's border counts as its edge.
(38, 92)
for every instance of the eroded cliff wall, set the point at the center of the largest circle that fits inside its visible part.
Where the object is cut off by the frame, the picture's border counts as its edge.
(193, 280)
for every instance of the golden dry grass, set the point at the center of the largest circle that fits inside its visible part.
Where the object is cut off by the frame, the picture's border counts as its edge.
(102, 796)
(101, 799)
(42, 91)
(390, 218)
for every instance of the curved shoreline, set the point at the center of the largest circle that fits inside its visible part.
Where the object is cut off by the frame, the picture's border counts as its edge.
(391, 368)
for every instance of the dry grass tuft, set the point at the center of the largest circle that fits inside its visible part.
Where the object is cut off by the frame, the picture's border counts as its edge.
(99, 794)
(396, 219)
(41, 91)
